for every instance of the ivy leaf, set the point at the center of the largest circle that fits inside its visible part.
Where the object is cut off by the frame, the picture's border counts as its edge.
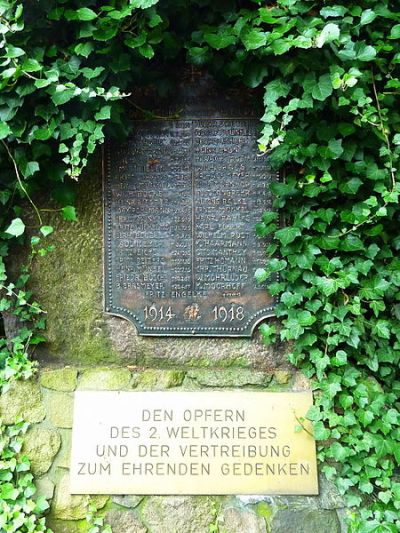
(335, 148)
(385, 496)
(382, 329)
(30, 168)
(274, 90)
(69, 213)
(16, 228)
(143, 4)
(4, 130)
(320, 431)
(367, 17)
(261, 275)
(330, 33)
(104, 113)
(275, 264)
(219, 40)
(305, 318)
(395, 32)
(31, 65)
(84, 49)
(291, 299)
(84, 14)
(146, 51)
(327, 286)
(314, 413)
(5, 195)
(267, 332)
(392, 417)
(351, 243)
(365, 417)
(90, 73)
(62, 94)
(254, 75)
(323, 88)
(365, 52)
(253, 39)
(12, 52)
(8, 492)
(333, 11)
(287, 235)
(351, 186)
(338, 452)
(46, 230)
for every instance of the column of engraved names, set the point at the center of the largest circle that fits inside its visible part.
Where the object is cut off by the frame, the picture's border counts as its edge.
(149, 227)
(228, 176)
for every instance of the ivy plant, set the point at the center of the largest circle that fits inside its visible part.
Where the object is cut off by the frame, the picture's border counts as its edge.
(328, 73)
(20, 510)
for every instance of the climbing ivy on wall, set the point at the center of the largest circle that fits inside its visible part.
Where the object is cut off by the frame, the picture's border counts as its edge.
(329, 73)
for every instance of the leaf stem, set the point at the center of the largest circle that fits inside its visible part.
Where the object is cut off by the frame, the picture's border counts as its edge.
(21, 182)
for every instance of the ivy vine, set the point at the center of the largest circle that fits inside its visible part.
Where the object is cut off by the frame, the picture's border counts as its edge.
(19, 509)
(329, 72)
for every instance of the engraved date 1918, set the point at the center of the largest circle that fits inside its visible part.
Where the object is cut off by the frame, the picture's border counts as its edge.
(161, 313)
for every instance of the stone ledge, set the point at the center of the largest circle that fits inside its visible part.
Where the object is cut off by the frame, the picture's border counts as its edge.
(104, 379)
(61, 379)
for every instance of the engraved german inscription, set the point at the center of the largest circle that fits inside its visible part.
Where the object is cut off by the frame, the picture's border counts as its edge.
(182, 197)
(192, 443)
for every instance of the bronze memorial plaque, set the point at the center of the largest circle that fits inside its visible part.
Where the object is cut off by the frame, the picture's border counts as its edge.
(182, 198)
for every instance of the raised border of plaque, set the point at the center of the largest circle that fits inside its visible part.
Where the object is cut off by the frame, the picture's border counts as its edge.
(191, 323)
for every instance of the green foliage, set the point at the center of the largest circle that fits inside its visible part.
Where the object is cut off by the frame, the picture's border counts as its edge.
(330, 77)
(20, 510)
(332, 120)
(96, 521)
(17, 299)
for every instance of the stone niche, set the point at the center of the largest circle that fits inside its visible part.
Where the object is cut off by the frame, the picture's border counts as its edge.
(88, 349)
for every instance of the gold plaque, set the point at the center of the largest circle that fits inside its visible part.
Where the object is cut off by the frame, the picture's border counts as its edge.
(192, 443)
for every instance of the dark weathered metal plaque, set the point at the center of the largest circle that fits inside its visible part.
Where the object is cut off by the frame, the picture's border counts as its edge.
(182, 197)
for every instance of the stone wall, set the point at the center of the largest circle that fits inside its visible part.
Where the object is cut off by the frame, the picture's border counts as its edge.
(47, 403)
(105, 353)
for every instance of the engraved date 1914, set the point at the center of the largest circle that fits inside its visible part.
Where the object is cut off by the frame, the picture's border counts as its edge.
(222, 313)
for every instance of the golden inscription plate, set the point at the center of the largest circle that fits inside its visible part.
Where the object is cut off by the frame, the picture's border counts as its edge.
(192, 443)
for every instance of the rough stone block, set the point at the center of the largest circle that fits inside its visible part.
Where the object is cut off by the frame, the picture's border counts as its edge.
(301, 383)
(124, 522)
(59, 407)
(282, 377)
(178, 514)
(22, 400)
(44, 488)
(104, 379)
(63, 458)
(200, 351)
(41, 446)
(68, 526)
(128, 501)
(75, 327)
(305, 521)
(242, 521)
(328, 498)
(73, 507)
(229, 377)
(152, 379)
(61, 379)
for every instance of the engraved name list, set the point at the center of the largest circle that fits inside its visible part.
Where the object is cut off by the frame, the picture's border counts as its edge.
(182, 197)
